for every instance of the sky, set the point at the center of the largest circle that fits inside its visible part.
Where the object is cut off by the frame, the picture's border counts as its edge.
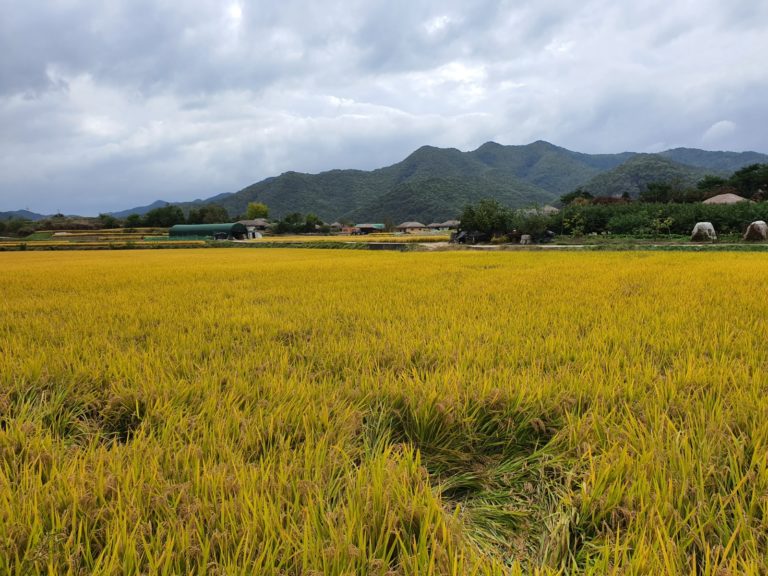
(106, 105)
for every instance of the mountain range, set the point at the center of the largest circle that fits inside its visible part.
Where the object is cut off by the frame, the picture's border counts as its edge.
(434, 184)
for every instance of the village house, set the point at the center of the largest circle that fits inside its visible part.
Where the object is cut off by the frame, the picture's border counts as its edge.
(411, 227)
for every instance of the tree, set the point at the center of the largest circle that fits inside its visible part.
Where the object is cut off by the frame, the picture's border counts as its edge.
(208, 214)
(488, 217)
(312, 223)
(291, 224)
(256, 210)
(165, 217)
(108, 221)
(133, 221)
(658, 192)
(577, 194)
(750, 179)
(710, 182)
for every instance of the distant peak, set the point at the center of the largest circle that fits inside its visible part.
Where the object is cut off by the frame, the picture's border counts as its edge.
(542, 144)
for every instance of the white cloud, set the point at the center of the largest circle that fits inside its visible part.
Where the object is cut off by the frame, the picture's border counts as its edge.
(142, 100)
(719, 133)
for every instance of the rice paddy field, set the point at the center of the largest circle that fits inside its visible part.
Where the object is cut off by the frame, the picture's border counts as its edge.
(307, 412)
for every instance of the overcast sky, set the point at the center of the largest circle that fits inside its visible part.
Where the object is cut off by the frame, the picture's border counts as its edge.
(110, 104)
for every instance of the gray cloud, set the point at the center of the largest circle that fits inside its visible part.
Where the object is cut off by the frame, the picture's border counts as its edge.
(114, 104)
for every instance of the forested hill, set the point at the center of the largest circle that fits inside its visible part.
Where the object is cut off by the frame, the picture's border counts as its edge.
(435, 183)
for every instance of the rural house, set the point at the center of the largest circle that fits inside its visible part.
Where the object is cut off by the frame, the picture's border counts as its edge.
(411, 227)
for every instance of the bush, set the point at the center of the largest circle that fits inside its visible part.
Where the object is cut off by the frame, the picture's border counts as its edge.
(629, 224)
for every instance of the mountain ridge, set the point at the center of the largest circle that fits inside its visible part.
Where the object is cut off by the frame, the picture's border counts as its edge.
(433, 183)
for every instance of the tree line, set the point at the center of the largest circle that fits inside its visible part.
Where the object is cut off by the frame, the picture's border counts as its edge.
(661, 208)
(161, 217)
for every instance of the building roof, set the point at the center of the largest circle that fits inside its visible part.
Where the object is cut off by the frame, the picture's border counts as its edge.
(232, 228)
(377, 226)
(545, 210)
(411, 225)
(725, 199)
(446, 224)
(263, 222)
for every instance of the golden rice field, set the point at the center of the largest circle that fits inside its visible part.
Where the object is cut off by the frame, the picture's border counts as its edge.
(307, 412)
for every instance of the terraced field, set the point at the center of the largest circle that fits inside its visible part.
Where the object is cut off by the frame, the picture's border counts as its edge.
(341, 412)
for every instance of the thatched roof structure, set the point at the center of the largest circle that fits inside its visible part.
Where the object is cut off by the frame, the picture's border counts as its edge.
(725, 199)
(410, 225)
(447, 225)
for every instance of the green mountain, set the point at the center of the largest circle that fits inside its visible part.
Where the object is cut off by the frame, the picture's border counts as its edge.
(547, 166)
(438, 199)
(435, 183)
(21, 215)
(409, 189)
(634, 175)
(724, 163)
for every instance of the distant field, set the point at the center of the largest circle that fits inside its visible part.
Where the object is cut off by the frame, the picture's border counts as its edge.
(368, 238)
(311, 412)
(158, 238)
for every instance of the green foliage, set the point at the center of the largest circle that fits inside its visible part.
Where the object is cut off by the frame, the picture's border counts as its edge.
(132, 221)
(164, 217)
(297, 223)
(714, 162)
(750, 179)
(488, 217)
(256, 210)
(660, 192)
(434, 184)
(208, 214)
(108, 221)
(637, 174)
(17, 227)
(579, 193)
(669, 218)
(502, 224)
(710, 182)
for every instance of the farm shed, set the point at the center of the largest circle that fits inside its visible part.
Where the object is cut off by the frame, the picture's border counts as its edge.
(369, 228)
(234, 231)
(255, 227)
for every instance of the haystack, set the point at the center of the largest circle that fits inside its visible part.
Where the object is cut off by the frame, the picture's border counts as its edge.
(703, 232)
(757, 231)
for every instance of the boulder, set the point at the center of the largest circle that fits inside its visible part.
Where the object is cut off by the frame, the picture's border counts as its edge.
(526, 239)
(703, 232)
(757, 231)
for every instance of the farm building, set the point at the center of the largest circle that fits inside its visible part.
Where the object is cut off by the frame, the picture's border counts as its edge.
(411, 227)
(234, 231)
(369, 228)
(255, 227)
(447, 225)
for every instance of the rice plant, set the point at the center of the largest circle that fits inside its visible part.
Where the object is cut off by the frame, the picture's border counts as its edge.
(342, 412)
